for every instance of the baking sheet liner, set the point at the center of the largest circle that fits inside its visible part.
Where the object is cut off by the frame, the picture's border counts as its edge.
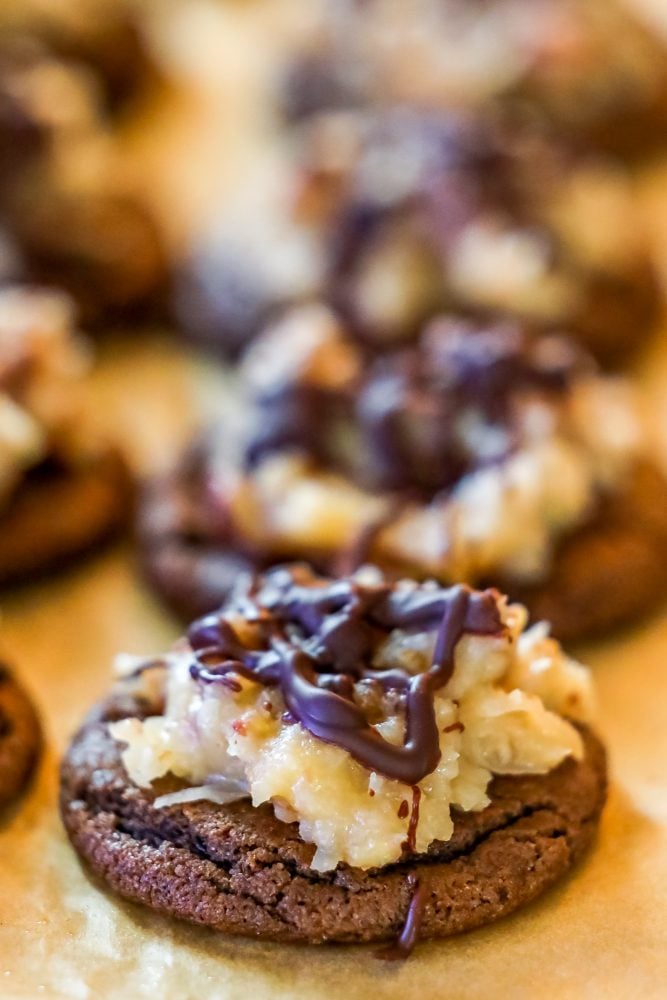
(602, 933)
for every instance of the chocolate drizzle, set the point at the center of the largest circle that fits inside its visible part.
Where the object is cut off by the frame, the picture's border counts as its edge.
(317, 640)
(410, 412)
(360, 549)
(409, 935)
(410, 841)
(415, 408)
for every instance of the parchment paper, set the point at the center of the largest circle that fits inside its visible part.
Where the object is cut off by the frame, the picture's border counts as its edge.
(601, 934)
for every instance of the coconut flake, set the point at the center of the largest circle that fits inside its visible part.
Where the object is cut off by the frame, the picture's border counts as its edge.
(222, 793)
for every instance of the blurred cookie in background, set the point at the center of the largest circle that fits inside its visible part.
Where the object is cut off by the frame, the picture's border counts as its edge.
(71, 197)
(249, 259)
(596, 70)
(20, 738)
(108, 39)
(432, 211)
(184, 789)
(392, 216)
(62, 488)
(477, 454)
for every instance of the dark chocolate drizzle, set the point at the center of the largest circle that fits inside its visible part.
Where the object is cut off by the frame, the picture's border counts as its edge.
(317, 642)
(360, 549)
(411, 839)
(403, 946)
(406, 413)
(410, 407)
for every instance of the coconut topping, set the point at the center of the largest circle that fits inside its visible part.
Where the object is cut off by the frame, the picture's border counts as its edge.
(365, 711)
(467, 455)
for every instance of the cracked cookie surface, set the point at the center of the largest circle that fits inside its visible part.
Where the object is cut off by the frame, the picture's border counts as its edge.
(240, 870)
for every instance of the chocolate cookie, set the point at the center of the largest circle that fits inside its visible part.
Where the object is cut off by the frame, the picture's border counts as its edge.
(61, 511)
(486, 199)
(240, 870)
(481, 454)
(100, 241)
(621, 552)
(20, 737)
(489, 218)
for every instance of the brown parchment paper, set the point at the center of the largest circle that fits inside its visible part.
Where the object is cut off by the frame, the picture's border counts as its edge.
(601, 934)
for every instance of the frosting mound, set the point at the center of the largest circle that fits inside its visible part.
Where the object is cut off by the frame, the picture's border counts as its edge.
(464, 457)
(365, 711)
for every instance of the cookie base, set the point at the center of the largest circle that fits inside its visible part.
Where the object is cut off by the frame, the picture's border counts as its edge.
(240, 870)
(611, 572)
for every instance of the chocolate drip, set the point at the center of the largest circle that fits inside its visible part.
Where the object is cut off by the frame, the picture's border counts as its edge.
(360, 549)
(411, 839)
(318, 639)
(407, 939)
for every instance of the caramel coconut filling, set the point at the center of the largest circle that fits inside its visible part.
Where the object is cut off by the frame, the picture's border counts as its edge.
(363, 711)
(42, 363)
(508, 462)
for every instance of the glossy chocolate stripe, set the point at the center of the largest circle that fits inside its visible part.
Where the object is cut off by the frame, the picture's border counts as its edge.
(339, 624)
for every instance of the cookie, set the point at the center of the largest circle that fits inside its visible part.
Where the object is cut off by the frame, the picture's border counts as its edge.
(254, 870)
(63, 487)
(415, 494)
(20, 738)
(490, 218)
(59, 513)
(240, 870)
(99, 241)
(621, 551)
(488, 203)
